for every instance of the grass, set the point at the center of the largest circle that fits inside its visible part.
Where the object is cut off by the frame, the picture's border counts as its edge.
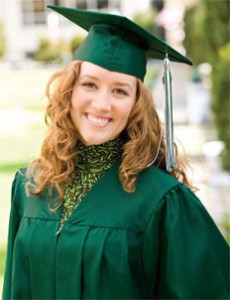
(21, 132)
(5, 185)
(20, 145)
(225, 225)
(12, 167)
(2, 259)
(24, 88)
(2, 266)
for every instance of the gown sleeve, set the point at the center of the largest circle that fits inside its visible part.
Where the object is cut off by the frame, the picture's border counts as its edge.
(13, 227)
(185, 255)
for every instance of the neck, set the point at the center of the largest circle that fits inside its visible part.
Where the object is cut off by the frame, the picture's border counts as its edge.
(99, 156)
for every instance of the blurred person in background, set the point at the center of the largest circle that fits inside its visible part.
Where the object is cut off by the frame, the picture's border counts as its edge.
(99, 214)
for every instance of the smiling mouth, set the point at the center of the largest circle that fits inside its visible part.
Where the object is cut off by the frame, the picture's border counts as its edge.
(97, 121)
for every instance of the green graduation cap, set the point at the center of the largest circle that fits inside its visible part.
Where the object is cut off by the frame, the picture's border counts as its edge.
(116, 43)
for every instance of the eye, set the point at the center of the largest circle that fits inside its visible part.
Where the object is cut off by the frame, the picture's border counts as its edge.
(120, 92)
(89, 84)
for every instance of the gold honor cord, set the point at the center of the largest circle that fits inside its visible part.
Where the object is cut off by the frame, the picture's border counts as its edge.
(167, 80)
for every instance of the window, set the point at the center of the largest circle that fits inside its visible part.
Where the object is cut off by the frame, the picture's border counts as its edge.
(103, 4)
(115, 4)
(33, 12)
(81, 4)
(88, 4)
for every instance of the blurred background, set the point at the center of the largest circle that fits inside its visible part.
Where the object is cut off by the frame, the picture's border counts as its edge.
(34, 42)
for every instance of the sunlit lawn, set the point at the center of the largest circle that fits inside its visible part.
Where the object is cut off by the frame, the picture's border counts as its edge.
(21, 132)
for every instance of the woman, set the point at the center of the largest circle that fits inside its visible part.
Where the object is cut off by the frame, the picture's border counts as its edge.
(97, 216)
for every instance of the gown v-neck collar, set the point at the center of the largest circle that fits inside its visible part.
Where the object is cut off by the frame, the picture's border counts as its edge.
(91, 164)
(93, 193)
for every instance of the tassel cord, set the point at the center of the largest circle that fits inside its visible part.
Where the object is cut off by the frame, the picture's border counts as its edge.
(167, 80)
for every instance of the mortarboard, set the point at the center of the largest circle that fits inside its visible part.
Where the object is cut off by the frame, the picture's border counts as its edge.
(118, 44)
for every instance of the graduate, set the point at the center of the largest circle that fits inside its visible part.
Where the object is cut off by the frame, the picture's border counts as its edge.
(107, 211)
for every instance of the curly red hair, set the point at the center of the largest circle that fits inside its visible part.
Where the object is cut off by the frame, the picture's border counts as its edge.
(144, 131)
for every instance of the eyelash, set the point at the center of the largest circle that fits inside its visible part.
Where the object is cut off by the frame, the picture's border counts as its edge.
(118, 91)
(121, 92)
(89, 84)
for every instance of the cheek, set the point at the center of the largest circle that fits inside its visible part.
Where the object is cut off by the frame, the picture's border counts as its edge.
(74, 102)
(127, 110)
(77, 102)
(74, 108)
(79, 99)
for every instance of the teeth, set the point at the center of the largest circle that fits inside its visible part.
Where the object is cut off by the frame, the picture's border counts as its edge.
(98, 121)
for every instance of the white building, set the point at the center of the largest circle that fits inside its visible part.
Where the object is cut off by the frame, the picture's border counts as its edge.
(26, 21)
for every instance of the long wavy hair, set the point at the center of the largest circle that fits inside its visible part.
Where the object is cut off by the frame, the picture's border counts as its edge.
(145, 139)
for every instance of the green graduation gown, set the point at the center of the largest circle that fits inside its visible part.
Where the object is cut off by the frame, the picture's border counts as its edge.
(156, 243)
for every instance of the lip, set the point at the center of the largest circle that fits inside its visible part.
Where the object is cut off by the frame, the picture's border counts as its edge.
(98, 121)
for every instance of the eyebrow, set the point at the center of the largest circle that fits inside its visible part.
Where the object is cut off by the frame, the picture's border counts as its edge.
(89, 76)
(123, 84)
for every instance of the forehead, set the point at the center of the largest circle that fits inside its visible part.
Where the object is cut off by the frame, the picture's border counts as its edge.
(90, 69)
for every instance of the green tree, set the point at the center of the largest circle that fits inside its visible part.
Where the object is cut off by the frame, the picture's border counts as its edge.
(194, 35)
(75, 43)
(147, 20)
(207, 40)
(206, 30)
(216, 24)
(221, 101)
(47, 52)
(2, 40)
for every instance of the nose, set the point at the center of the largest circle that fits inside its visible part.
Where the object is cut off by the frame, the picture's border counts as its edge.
(101, 101)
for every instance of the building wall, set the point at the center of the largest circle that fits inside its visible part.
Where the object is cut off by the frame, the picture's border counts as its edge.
(10, 15)
(23, 38)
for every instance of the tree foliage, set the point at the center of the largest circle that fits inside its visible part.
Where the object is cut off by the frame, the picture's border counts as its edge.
(75, 43)
(147, 20)
(206, 30)
(2, 40)
(207, 40)
(47, 52)
(221, 101)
